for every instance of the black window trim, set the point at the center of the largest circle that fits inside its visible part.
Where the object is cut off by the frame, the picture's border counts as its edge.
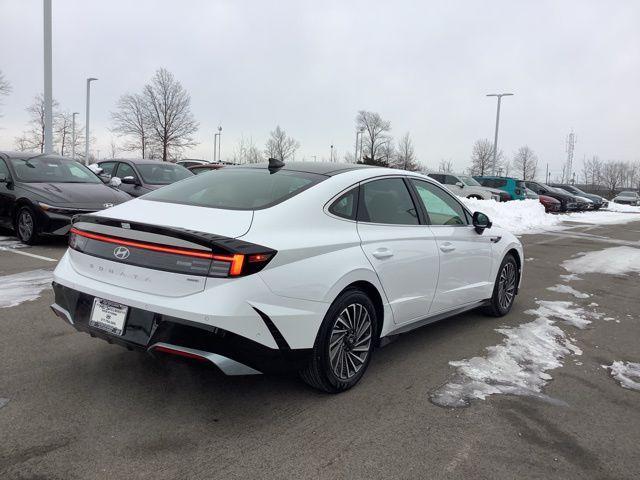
(433, 182)
(335, 198)
(135, 170)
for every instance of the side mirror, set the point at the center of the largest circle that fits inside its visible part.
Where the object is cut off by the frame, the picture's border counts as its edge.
(3, 178)
(460, 184)
(481, 222)
(130, 180)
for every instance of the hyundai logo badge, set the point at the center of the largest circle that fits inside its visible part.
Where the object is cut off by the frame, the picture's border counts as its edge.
(107, 205)
(121, 253)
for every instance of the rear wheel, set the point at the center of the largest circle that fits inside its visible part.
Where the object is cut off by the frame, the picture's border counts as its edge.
(26, 226)
(504, 290)
(343, 347)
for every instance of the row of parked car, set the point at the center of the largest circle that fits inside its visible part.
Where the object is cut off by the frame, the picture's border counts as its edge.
(555, 197)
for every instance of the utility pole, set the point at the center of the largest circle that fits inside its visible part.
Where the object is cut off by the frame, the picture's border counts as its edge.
(571, 143)
(216, 144)
(546, 175)
(331, 154)
(48, 84)
(86, 127)
(73, 135)
(358, 133)
(495, 138)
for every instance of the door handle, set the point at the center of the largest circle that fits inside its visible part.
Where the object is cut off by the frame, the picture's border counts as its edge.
(447, 247)
(382, 253)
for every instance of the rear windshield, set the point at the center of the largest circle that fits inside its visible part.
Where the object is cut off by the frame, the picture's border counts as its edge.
(54, 170)
(237, 188)
(162, 173)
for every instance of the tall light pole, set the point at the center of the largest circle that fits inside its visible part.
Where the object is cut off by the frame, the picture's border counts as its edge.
(358, 134)
(73, 135)
(219, 143)
(216, 144)
(331, 154)
(48, 84)
(495, 138)
(86, 127)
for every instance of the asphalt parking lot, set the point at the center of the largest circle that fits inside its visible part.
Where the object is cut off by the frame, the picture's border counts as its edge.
(74, 407)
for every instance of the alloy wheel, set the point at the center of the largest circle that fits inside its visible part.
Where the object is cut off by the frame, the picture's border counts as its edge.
(350, 341)
(507, 285)
(25, 225)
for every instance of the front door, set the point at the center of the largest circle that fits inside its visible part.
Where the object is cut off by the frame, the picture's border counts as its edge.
(401, 249)
(465, 255)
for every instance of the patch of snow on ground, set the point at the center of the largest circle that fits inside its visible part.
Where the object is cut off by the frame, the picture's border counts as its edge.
(570, 277)
(519, 365)
(620, 207)
(3, 401)
(601, 218)
(518, 217)
(23, 287)
(560, 288)
(10, 242)
(614, 261)
(627, 373)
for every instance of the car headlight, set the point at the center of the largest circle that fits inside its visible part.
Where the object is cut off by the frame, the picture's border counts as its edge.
(53, 209)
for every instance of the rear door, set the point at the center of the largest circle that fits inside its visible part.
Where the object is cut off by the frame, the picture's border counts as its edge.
(465, 256)
(401, 249)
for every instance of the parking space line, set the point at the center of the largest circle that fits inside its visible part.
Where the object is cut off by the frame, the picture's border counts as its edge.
(33, 255)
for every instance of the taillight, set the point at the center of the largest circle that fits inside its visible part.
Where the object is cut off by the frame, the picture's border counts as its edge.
(170, 258)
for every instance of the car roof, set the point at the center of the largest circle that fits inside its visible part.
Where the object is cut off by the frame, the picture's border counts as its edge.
(137, 161)
(320, 168)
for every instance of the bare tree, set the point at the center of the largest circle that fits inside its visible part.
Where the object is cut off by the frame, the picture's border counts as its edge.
(405, 154)
(246, 151)
(113, 149)
(612, 176)
(445, 166)
(387, 153)
(22, 143)
(375, 135)
(130, 120)
(280, 145)
(525, 163)
(33, 137)
(482, 162)
(5, 87)
(62, 129)
(168, 112)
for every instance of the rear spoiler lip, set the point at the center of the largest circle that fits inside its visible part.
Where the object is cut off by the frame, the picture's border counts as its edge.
(217, 243)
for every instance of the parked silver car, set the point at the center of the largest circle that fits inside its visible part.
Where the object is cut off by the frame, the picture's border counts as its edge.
(466, 186)
(628, 198)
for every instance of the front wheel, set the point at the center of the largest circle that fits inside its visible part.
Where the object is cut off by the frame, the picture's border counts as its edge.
(344, 345)
(26, 226)
(504, 290)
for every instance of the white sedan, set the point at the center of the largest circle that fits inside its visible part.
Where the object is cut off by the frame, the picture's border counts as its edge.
(263, 268)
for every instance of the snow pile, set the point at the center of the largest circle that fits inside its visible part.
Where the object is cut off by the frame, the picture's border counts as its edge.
(614, 261)
(601, 217)
(560, 288)
(10, 242)
(521, 216)
(519, 365)
(95, 168)
(627, 373)
(115, 182)
(22, 287)
(620, 207)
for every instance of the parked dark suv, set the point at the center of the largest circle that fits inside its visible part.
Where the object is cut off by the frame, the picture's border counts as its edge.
(143, 176)
(567, 201)
(598, 201)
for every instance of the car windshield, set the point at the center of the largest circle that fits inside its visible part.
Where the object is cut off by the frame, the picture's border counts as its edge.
(237, 188)
(162, 173)
(627, 194)
(469, 181)
(52, 170)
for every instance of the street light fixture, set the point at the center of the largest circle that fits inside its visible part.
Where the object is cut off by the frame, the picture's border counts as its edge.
(86, 140)
(495, 138)
(73, 135)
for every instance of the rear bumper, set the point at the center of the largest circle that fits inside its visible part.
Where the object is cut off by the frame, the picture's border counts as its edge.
(158, 333)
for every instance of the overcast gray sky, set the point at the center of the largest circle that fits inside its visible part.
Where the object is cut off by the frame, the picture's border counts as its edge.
(310, 66)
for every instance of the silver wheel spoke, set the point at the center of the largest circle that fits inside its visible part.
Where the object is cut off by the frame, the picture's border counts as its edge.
(350, 341)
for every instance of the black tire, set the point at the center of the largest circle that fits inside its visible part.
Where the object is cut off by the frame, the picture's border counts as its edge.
(26, 226)
(320, 372)
(505, 288)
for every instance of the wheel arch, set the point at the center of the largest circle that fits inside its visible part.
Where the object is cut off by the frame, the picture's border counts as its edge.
(376, 298)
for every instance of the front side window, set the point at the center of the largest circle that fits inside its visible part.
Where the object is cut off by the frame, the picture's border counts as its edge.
(52, 170)
(162, 173)
(345, 206)
(469, 181)
(126, 170)
(237, 188)
(387, 201)
(441, 207)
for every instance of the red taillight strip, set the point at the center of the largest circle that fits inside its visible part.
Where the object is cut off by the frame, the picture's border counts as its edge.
(234, 259)
(180, 353)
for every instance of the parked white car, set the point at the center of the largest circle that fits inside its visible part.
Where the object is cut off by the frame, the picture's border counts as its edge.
(466, 186)
(262, 268)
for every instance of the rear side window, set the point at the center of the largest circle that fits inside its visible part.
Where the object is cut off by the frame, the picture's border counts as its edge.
(345, 206)
(237, 188)
(126, 170)
(501, 182)
(387, 201)
(437, 176)
(441, 207)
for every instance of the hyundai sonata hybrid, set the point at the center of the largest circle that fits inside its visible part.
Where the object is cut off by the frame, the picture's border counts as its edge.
(305, 266)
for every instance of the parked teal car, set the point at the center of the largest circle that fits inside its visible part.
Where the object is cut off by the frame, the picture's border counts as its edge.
(512, 186)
